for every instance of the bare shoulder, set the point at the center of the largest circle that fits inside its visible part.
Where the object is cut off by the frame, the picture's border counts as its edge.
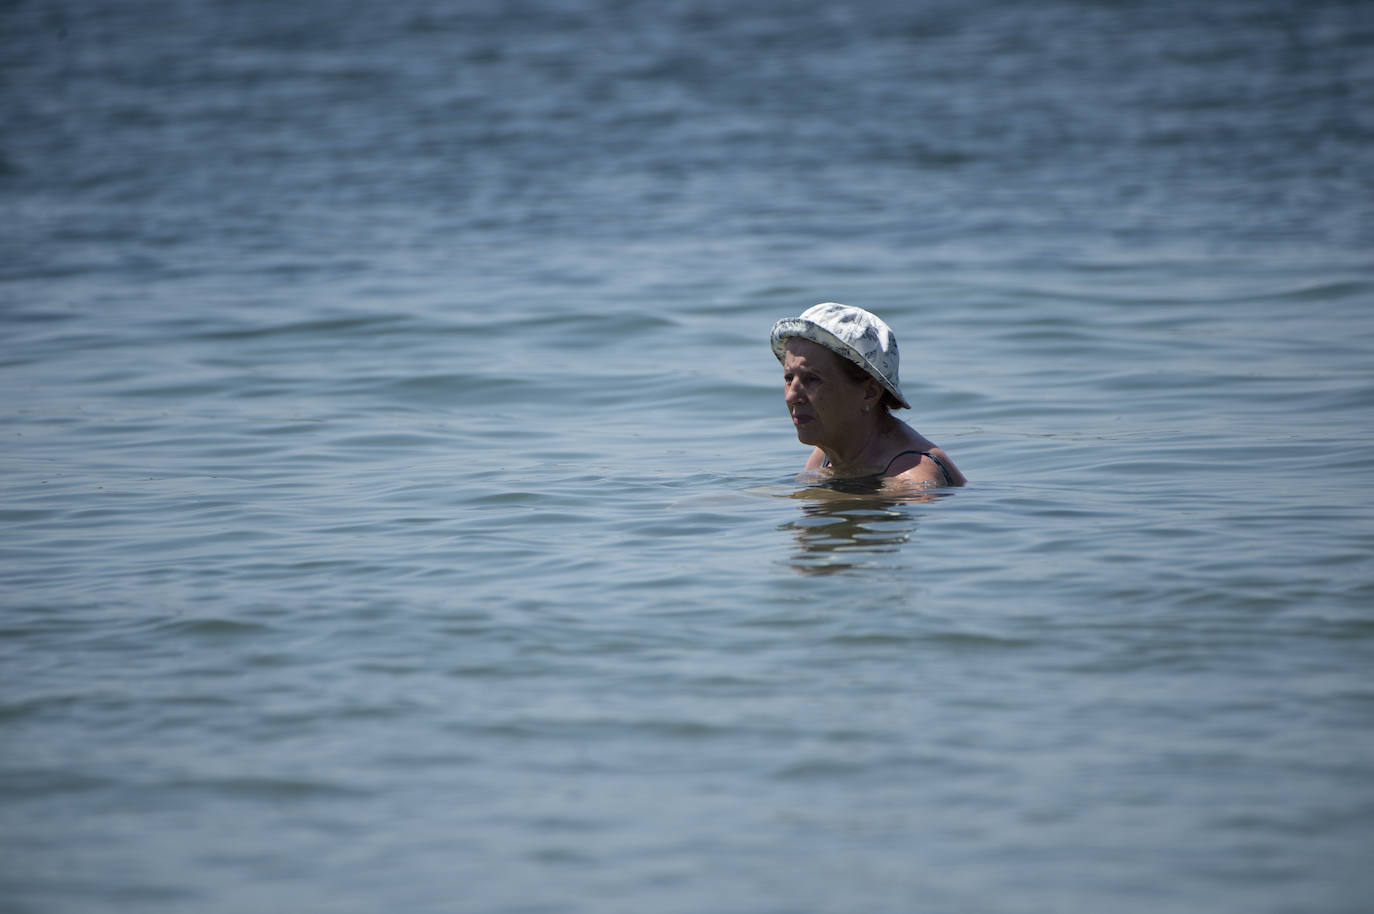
(928, 465)
(955, 476)
(816, 460)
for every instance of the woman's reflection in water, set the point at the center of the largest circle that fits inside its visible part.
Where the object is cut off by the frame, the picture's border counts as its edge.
(851, 523)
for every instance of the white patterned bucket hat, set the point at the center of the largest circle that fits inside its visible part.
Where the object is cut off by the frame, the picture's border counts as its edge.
(851, 333)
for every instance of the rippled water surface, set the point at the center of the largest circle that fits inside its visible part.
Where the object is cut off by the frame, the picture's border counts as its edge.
(397, 496)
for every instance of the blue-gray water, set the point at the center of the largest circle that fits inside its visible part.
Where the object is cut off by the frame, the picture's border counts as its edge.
(396, 495)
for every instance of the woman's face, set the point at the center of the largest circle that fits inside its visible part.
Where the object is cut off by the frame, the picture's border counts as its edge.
(827, 407)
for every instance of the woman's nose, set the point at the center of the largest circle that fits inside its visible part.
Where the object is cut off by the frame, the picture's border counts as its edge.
(791, 392)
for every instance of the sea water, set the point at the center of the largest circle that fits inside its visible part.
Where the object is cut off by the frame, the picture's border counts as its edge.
(399, 506)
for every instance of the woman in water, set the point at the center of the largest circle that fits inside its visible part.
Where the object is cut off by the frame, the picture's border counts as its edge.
(839, 370)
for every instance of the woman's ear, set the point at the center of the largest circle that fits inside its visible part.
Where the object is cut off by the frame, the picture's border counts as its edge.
(873, 394)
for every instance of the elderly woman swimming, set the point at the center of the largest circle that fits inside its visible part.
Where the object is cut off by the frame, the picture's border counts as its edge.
(839, 370)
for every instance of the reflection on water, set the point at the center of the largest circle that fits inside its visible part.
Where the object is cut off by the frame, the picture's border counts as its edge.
(850, 523)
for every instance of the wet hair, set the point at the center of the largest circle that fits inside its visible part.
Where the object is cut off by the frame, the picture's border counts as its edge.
(853, 372)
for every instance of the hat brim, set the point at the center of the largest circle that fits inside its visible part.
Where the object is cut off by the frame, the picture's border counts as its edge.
(800, 328)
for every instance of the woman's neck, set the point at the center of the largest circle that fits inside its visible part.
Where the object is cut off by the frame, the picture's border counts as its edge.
(861, 459)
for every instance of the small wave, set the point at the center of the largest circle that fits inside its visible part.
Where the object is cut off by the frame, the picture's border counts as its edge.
(215, 628)
(267, 787)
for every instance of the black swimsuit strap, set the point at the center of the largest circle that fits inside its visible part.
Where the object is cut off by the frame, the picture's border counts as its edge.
(949, 480)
